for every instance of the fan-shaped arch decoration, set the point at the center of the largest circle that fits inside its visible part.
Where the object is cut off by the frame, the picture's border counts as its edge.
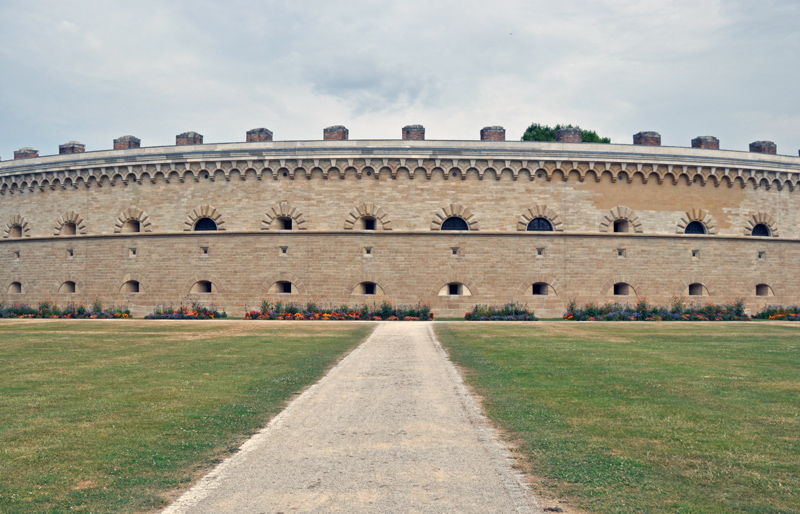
(368, 210)
(368, 277)
(455, 278)
(540, 211)
(621, 213)
(761, 218)
(700, 216)
(70, 218)
(204, 211)
(17, 221)
(636, 285)
(133, 214)
(284, 210)
(454, 210)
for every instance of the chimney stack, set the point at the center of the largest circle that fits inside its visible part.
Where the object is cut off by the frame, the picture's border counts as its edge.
(259, 135)
(335, 133)
(763, 147)
(494, 133)
(126, 142)
(647, 139)
(413, 133)
(189, 138)
(71, 147)
(26, 153)
(569, 135)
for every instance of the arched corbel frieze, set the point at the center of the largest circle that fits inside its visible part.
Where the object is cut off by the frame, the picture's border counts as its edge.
(368, 210)
(540, 211)
(284, 210)
(454, 210)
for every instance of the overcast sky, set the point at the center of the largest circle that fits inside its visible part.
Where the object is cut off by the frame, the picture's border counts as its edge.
(95, 70)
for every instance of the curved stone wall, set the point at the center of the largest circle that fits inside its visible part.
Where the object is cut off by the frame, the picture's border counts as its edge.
(327, 217)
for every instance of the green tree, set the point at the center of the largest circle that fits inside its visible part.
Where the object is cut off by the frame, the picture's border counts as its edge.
(537, 132)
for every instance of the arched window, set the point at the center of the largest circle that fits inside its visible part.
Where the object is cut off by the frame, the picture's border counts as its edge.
(695, 227)
(764, 290)
(15, 288)
(697, 289)
(68, 287)
(760, 230)
(621, 226)
(540, 225)
(455, 289)
(282, 287)
(202, 287)
(69, 229)
(623, 289)
(541, 288)
(132, 226)
(16, 231)
(285, 223)
(131, 286)
(205, 224)
(368, 288)
(454, 223)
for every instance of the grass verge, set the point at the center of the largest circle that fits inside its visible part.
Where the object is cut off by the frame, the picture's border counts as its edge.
(116, 416)
(633, 418)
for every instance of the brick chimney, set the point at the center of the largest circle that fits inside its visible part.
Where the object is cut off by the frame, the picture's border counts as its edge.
(189, 138)
(495, 133)
(71, 147)
(647, 139)
(413, 133)
(259, 135)
(763, 147)
(709, 142)
(26, 153)
(569, 135)
(126, 142)
(336, 133)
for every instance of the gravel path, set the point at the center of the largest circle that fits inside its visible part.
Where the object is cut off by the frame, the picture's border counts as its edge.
(391, 428)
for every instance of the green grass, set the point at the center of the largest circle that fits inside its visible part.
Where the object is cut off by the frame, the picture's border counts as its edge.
(645, 418)
(117, 416)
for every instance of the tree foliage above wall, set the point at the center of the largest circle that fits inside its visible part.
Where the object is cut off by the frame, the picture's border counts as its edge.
(537, 132)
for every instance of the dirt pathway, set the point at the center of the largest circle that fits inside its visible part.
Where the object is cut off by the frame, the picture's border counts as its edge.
(392, 428)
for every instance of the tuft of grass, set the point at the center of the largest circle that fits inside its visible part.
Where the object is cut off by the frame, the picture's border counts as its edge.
(117, 416)
(630, 418)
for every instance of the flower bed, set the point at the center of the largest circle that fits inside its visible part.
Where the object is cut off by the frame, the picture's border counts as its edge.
(679, 310)
(508, 312)
(779, 312)
(195, 311)
(48, 309)
(311, 311)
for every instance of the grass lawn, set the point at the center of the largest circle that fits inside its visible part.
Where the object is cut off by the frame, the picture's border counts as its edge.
(116, 416)
(645, 417)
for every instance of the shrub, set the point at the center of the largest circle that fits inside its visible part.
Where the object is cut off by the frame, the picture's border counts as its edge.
(678, 310)
(385, 311)
(508, 312)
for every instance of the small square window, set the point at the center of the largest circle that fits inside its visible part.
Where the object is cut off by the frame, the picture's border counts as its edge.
(695, 253)
(367, 250)
(369, 223)
(453, 289)
(621, 252)
(540, 252)
(131, 252)
(283, 250)
(16, 254)
(455, 250)
(204, 250)
(762, 255)
(70, 252)
(369, 288)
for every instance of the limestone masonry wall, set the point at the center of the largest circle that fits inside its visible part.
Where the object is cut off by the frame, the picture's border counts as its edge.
(327, 217)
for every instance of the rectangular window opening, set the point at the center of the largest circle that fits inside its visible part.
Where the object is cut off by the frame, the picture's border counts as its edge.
(70, 252)
(454, 250)
(204, 249)
(367, 250)
(369, 223)
(621, 252)
(453, 289)
(540, 252)
(283, 250)
(369, 288)
(762, 255)
(695, 253)
(131, 252)
(16, 254)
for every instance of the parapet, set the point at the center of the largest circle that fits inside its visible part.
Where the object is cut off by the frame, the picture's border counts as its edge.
(189, 138)
(259, 135)
(494, 133)
(336, 133)
(763, 147)
(647, 139)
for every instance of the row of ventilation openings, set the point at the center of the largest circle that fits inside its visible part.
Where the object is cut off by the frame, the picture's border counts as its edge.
(371, 288)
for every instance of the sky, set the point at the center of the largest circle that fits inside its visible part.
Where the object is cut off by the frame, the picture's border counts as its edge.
(92, 71)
